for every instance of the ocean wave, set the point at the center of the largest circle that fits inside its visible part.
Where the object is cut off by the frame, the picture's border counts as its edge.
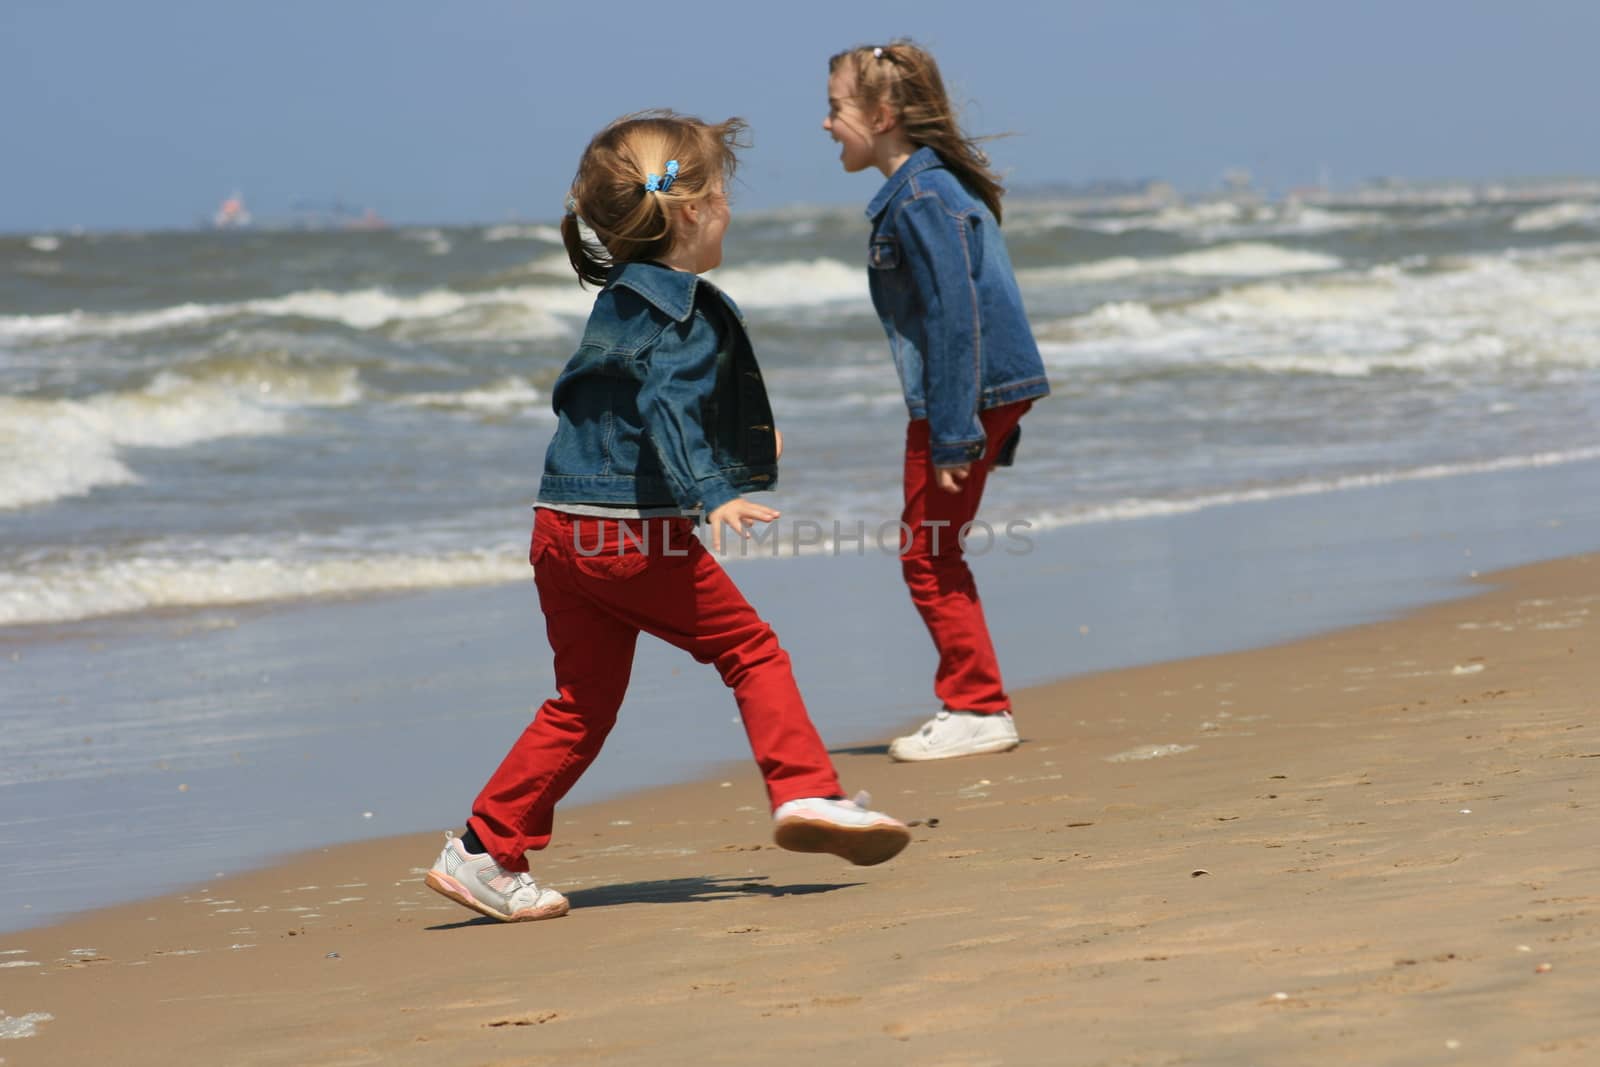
(1558, 216)
(70, 324)
(53, 449)
(1147, 507)
(91, 588)
(513, 232)
(1527, 309)
(1245, 259)
(831, 538)
(369, 309)
(516, 312)
(1222, 219)
(513, 394)
(523, 312)
(433, 241)
(791, 283)
(88, 583)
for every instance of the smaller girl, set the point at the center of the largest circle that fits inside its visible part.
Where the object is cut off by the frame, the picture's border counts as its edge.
(943, 286)
(663, 416)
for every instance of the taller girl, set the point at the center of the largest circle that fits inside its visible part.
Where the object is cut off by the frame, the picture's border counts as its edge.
(943, 285)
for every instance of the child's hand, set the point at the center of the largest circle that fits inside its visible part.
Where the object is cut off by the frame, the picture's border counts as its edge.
(739, 514)
(953, 479)
(779, 435)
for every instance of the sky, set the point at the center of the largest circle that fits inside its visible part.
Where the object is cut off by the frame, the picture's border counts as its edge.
(123, 115)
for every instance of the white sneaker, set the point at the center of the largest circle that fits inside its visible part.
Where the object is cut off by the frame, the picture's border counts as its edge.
(844, 828)
(957, 733)
(481, 884)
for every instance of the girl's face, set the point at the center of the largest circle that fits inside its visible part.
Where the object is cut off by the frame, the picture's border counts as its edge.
(848, 122)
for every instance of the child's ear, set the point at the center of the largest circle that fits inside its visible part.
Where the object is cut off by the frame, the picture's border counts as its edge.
(689, 210)
(884, 119)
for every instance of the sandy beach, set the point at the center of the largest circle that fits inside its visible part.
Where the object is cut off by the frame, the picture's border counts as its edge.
(1374, 846)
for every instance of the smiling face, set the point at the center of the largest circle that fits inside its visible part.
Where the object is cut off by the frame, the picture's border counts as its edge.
(849, 123)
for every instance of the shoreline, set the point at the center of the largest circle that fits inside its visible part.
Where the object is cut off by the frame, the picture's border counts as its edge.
(1367, 853)
(221, 741)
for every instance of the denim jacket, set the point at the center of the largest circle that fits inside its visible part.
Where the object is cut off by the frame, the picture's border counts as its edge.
(663, 403)
(943, 286)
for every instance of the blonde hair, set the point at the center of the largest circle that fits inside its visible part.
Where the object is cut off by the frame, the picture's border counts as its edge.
(609, 194)
(904, 76)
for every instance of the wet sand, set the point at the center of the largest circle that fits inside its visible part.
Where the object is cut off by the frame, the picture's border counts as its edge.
(1374, 846)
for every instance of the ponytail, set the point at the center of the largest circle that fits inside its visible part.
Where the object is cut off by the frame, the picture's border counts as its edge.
(630, 178)
(588, 258)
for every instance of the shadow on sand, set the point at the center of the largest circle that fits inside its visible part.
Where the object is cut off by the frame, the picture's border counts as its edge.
(674, 891)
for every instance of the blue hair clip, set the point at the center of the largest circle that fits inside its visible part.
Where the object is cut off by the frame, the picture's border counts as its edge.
(655, 183)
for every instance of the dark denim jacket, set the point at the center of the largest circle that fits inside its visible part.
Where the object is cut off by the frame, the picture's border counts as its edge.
(648, 414)
(943, 285)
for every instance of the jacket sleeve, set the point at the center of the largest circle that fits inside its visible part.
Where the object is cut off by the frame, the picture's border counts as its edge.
(680, 373)
(942, 258)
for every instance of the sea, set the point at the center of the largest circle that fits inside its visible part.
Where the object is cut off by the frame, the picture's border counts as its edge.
(264, 495)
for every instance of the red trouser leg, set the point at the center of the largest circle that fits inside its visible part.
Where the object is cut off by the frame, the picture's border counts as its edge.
(936, 572)
(600, 583)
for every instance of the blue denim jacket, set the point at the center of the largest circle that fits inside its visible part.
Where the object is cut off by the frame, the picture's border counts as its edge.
(663, 403)
(943, 286)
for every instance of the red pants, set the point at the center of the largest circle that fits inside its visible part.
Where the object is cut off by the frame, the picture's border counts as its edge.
(936, 572)
(601, 582)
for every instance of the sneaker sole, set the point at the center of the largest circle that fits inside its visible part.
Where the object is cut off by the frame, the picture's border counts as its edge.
(985, 749)
(447, 886)
(863, 846)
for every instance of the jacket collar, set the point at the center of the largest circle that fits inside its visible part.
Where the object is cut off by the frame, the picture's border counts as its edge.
(670, 291)
(919, 161)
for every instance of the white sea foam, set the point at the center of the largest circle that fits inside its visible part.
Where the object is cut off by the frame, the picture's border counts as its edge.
(1556, 216)
(22, 1025)
(88, 584)
(504, 396)
(1535, 309)
(50, 449)
(1179, 218)
(1146, 752)
(510, 313)
(1119, 318)
(509, 316)
(89, 324)
(1145, 508)
(432, 240)
(823, 539)
(86, 588)
(791, 283)
(510, 232)
(369, 309)
(44, 243)
(1246, 259)
(1225, 219)
(532, 311)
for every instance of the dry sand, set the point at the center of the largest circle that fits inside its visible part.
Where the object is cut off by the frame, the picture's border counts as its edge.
(1380, 848)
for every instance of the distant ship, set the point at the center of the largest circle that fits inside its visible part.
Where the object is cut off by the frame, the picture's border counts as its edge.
(232, 214)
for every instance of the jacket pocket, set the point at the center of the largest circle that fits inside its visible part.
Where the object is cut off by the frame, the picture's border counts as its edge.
(883, 253)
